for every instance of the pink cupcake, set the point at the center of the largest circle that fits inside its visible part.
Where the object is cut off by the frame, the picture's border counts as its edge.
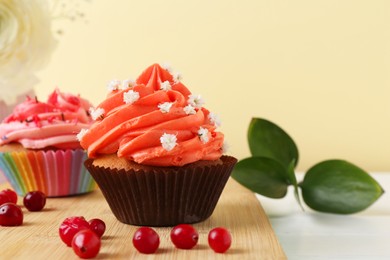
(39, 149)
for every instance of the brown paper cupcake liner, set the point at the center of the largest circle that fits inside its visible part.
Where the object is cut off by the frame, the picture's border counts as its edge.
(163, 196)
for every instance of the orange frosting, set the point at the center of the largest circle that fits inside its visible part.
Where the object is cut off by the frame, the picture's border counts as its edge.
(154, 123)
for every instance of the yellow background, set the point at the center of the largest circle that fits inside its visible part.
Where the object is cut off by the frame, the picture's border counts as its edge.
(319, 69)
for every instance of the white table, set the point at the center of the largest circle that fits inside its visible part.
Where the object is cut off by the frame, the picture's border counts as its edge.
(314, 235)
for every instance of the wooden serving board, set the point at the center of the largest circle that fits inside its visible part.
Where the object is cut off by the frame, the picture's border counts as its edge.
(238, 210)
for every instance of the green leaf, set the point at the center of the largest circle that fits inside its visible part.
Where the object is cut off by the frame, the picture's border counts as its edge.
(262, 175)
(266, 139)
(337, 186)
(293, 180)
(291, 174)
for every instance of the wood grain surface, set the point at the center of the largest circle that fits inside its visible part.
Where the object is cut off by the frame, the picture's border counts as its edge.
(238, 210)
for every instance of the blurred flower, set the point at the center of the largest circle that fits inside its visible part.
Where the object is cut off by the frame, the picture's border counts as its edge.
(26, 44)
(27, 41)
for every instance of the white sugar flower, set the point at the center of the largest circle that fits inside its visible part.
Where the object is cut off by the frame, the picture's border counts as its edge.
(96, 113)
(203, 134)
(195, 100)
(177, 77)
(168, 141)
(165, 107)
(114, 85)
(225, 147)
(81, 134)
(167, 67)
(165, 85)
(189, 110)
(215, 119)
(130, 97)
(128, 83)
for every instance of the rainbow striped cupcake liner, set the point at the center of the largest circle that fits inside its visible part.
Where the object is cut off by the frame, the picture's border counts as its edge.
(56, 173)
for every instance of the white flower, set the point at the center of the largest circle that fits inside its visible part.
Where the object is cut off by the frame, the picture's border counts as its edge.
(168, 141)
(189, 110)
(203, 134)
(128, 83)
(130, 96)
(167, 67)
(26, 44)
(81, 134)
(165, 107)
(215, 119)
(114, 85)
(96, 113)
(165, 85)
(225, 147)
(195, 100)
(177, 77)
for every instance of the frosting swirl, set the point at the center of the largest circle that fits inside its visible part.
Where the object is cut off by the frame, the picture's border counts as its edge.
(54, 123)
(155, 121)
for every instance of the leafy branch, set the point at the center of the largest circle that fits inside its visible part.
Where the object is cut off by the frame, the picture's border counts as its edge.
(333, 186)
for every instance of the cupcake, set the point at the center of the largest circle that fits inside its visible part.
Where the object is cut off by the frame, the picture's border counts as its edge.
(155, 151)
(39, 149)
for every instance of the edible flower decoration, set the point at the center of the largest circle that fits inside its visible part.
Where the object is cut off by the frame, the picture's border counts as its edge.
(189, 110)
(177, 77)
(128, 83)
(196, 101)
(203, 134)
(165, 107)
(114, 85)
(97, 113)
(215, 119)
(166, 85)
(81, 133)
(130, 97)
(168, 141)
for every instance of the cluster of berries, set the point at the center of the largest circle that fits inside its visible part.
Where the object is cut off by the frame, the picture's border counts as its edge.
(183, 236)
(85, 237)
(11, 214)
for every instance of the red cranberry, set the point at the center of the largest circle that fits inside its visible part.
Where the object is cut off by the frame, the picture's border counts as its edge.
(220, 239)
(10, 215)
(98, 226)
(12, 196)
(146, 240)
(184, 236)
(70, 226)
(86, 244)
(34, 200)
(3, 199)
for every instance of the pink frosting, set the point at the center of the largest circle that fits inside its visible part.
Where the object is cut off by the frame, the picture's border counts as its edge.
(54, 123)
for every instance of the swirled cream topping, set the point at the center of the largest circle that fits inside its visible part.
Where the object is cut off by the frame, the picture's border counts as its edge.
(154, 121)
(55, 123)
